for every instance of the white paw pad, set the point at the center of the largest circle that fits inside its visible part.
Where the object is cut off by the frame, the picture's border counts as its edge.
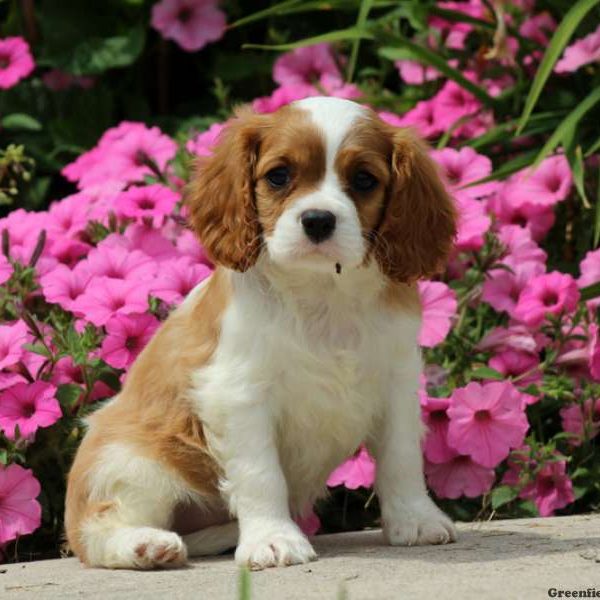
(154, 549)
(275, 550)
(419, 527)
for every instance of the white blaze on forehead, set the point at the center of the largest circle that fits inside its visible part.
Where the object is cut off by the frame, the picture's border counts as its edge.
(334, 117)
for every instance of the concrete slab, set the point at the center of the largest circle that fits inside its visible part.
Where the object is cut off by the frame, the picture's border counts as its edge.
(504, 560)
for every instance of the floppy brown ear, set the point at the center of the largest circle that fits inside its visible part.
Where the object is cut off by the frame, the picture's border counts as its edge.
(418, 227)
(221, 195)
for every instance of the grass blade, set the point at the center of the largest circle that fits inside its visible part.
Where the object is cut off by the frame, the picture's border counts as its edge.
(568, 124)
(351, 33)
(244, 584)
(591, 291)
(508, 168)
(559, 40)
(363, 13)
(593, 148)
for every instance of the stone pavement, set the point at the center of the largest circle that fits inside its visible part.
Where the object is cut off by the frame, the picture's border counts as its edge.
(497, 560)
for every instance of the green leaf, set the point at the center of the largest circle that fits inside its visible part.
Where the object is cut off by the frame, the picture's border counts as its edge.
(575, 157)
(68, 394)
(508, 168)
(97, 55)
(352, 33)
(3, 456)
(590, 292)
(363, 13)
(38, 349)
(429, 57)
(559, 40)
(20, 121)
(593, 148)
(502, 495)
(487, 373)
(568, 124)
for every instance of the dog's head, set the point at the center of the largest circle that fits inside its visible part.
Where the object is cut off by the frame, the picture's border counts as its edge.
(322, 184)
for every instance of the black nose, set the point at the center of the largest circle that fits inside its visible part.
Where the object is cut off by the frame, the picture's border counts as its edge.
(318, 224)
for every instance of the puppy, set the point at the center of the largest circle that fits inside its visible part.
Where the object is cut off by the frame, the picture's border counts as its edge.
(300, 347)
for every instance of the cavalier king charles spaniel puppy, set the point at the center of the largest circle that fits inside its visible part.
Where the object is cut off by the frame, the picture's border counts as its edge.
(301, 346)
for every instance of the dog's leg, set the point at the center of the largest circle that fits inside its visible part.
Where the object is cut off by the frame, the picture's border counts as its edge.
(123, 522)
(212, 540)
(258, 493)
(409, 515)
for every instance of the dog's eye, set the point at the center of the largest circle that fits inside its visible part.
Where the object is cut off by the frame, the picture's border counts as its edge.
(363, 181)
(278, 177)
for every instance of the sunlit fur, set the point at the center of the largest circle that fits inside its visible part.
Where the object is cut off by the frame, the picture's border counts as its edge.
(290, 356)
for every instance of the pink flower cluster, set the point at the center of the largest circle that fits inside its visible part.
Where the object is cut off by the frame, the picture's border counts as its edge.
(469, 434)
(16, 61)
(309, 71)
(145, 255)
(190, 23)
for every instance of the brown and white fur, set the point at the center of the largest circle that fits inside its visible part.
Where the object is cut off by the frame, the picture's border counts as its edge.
(279, 366)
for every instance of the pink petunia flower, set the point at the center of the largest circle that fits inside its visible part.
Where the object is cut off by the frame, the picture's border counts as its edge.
(515, 363)
(486, 421)
(584, 51)
(551, 293)
(20, 512)
(127, 335)
(422, 118)
(6, 269)
(502, 289)
(459, 476)
(105, 297)
(434, 412)
(188, 245)
(551, 490)
(473, 223)
(66, 371)
(550, 183)
(538, 28)
(122, 155)
(439, 306)
(456, 32)
(203, 143)
(12, 338)
(307, 65)
(177, 278)
(511, 207)
(594, 350)
(520, 245)
(462, 167)
(28, 406)
(415, 73)
(581, 421)
(62, 285)
(152, 202)
(119, 263)
(190, 23)
(357, 471)
(452, 103)
(515, 337)
(590, 273)
(16, 61)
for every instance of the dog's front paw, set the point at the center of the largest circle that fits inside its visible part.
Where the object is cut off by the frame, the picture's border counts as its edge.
(274, 545)
(417, 524)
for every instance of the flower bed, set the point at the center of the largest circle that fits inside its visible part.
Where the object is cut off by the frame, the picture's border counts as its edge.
(510, 393)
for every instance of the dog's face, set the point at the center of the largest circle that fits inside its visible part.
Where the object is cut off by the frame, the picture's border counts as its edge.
(322, 185)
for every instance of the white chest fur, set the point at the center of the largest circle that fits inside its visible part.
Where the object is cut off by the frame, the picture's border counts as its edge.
(319, 354)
